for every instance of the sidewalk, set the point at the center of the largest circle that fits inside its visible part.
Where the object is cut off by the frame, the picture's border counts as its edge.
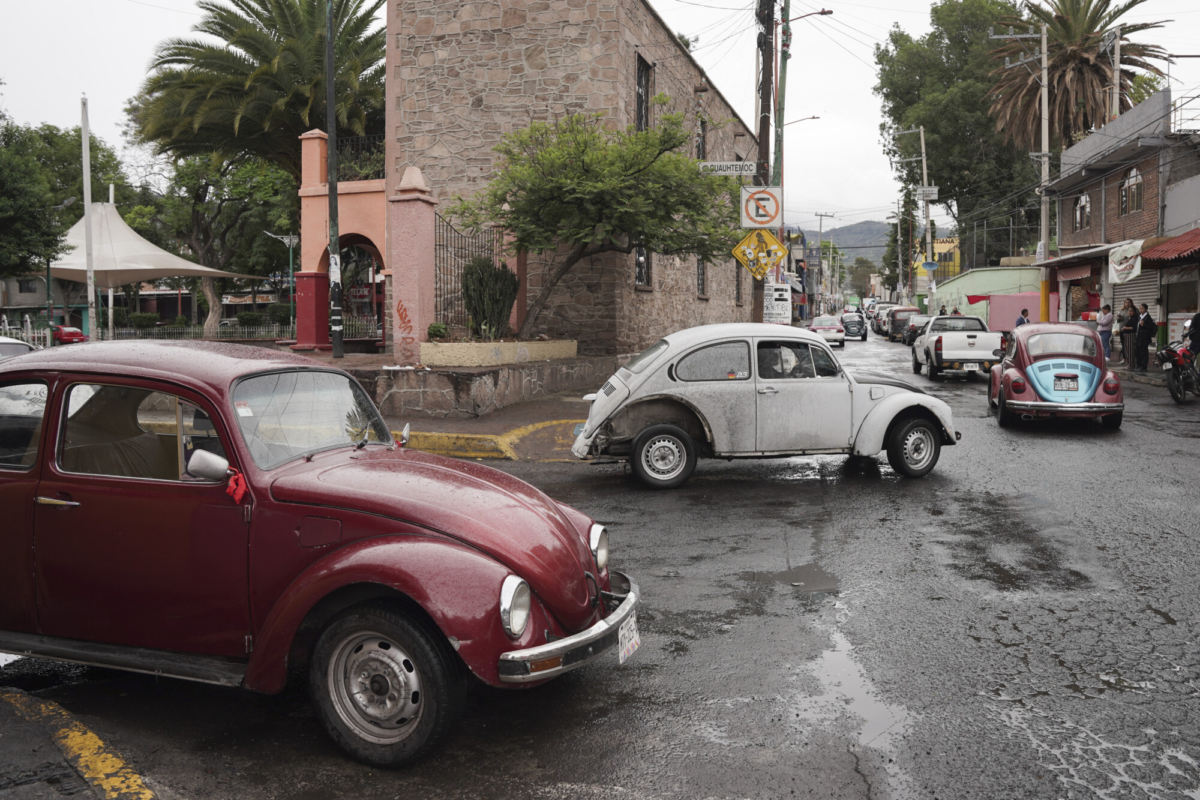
(537, 430)
(1153, 376)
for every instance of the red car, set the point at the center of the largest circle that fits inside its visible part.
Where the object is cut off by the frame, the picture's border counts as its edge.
(1054, 370)
(67, 335)
(223, 514)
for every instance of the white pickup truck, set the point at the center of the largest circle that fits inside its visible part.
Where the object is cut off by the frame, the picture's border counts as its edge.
(956, 344)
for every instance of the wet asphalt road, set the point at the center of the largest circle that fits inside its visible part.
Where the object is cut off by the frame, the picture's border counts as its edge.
(1021, 623)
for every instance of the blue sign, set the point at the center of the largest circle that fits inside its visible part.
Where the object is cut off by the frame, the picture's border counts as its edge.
(929, 266)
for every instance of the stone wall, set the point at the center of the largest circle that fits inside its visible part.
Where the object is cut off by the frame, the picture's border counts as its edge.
(461, 74)
(469, 392)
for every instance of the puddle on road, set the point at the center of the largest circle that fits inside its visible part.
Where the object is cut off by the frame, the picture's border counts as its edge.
(806, 578)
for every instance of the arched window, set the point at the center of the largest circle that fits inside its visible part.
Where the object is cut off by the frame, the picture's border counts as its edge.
(1131, 192)
(1083, 212)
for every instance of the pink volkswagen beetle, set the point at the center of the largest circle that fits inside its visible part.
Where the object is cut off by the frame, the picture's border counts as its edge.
(1054, 370)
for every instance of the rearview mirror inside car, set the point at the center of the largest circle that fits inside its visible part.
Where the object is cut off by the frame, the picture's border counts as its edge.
(207, 466)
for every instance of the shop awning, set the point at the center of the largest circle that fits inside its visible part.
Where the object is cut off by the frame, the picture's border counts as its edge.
(1179, 247)
(1074, 273)
(1091, 254)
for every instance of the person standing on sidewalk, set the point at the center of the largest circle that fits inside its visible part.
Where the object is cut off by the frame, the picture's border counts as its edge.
(1128, 320)
(1147, 329)
(1023, 319)
(1104, 326)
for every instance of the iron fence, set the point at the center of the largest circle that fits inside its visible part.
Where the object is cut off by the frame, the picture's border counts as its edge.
(452, 250)
(1186, 115)
(177, 332)
(362, 158)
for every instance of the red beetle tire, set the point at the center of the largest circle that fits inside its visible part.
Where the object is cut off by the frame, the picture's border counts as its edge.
(1005, 417)
(913, 447)
(1112, 421)
(385, 689)
(663, 456)
(991, 389)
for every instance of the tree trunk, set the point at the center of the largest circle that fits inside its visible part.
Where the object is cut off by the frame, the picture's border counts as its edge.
(539, 305)
(213, 322)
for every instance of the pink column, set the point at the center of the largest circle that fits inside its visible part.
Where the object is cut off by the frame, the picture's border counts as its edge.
(410, 243)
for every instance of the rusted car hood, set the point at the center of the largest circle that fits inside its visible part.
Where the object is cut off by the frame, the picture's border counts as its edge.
(504, 517)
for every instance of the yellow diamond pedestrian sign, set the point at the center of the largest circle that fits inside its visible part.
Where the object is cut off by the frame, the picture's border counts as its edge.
(760, 252)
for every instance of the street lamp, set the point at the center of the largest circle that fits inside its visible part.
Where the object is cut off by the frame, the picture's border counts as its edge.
(802, 119)
(49, 290)
(291, 240)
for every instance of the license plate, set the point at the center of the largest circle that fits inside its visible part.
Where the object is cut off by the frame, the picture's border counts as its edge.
(1066, 384)
(578, 429)
(1168, 365)
(628, 638)
(971, 367)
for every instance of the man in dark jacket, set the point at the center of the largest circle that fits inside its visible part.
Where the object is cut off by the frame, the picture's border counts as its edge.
(1144, 334)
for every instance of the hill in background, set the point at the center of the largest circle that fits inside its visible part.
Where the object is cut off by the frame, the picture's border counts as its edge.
(867, 239)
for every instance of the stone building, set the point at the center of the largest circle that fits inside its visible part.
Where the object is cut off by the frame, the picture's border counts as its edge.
(462, 73)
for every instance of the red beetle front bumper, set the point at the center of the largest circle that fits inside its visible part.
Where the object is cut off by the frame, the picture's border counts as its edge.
(563, 655)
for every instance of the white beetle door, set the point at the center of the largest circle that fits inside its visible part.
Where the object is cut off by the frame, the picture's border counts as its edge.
(804, 400)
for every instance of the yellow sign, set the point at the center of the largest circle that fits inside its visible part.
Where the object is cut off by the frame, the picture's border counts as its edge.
(760, 252)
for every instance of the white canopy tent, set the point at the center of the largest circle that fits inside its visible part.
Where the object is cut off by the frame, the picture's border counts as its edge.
(120, 256)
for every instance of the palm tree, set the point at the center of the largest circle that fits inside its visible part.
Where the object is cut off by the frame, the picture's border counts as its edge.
(262, 83)
(1080, 73)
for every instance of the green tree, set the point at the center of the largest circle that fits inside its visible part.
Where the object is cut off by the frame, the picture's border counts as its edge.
(575, 187)
(941, 81)
(860, 275)
(59, 153)
(261, 84)
(30, 234)
(1143, 86)
(1080, 73)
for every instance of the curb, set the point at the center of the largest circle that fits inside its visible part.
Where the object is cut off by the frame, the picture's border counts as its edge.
(100, 766)
(478, 445)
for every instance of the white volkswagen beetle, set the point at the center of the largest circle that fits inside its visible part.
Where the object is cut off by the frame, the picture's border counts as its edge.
(746, 390)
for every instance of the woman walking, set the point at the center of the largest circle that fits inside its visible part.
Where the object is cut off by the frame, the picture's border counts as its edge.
(1104, 326)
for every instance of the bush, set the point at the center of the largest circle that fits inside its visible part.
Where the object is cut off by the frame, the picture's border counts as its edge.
(489, 293)
(438, 330)
(142, 321)
(251, 319)
(180, 322)
(279, 313)
(120, 317)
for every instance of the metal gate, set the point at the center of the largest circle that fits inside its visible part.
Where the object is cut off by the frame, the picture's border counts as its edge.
(452, 250)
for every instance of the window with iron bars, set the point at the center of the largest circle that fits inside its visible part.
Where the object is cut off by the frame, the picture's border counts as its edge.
(643, 94)
(641, 259)
(1083, 213)
(701, 277)
(1131, 192)
(702, 141)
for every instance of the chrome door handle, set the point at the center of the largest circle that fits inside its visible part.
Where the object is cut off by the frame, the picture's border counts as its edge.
(51, 501)
(768, 390)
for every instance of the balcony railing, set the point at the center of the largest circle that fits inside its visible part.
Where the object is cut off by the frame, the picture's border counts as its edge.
(362, 158)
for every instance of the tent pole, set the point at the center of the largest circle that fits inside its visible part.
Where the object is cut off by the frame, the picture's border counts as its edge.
(87, 221)
(110, 313)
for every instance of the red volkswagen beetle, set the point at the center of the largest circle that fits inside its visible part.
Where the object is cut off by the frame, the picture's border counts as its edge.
(1054, 370)
(222, 513)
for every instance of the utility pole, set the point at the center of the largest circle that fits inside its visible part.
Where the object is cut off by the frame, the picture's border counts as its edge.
(821, 254)
(785, 47)
(1043, 253)
(766, 59)
(925, 183)
(335, 250)
(85, 134)
(1116, 90)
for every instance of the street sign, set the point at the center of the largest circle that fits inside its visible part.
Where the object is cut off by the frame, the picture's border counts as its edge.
(927, 193)
(736, 168)
(759, 252)
(762, 207)
(777, 304)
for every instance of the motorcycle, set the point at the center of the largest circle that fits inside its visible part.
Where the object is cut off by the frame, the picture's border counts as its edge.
(1183, 373)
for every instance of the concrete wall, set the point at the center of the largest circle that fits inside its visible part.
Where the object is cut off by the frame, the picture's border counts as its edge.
(1183, 206)
(985, 280)
(462, 74)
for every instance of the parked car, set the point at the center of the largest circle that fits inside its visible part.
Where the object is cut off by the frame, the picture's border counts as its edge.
(745, 390)
(915, 324)
(956, 343)
(1052, 369)
(880, 321)
(9, 348)
(64, 334)
(898, 317)
(223, 514)
(855, 325)
(830, 329)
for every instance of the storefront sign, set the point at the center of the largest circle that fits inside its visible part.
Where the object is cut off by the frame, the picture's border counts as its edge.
(777, 304)
(1125, 262)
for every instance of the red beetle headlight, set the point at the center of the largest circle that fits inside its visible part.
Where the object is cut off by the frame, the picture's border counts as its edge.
(1017, 385)
(1111, 386)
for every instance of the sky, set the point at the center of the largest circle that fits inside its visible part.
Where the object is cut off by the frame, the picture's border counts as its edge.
(834, 164)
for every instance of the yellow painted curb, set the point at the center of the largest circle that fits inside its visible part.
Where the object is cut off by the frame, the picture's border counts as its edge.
(477, 445)
(101, 767)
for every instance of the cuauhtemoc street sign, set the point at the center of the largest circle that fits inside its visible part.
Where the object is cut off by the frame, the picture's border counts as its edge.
(759, 252)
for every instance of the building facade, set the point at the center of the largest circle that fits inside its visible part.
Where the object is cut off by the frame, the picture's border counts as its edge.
(463, 74)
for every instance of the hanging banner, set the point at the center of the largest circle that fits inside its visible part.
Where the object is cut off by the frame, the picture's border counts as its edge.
(1125, 262)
